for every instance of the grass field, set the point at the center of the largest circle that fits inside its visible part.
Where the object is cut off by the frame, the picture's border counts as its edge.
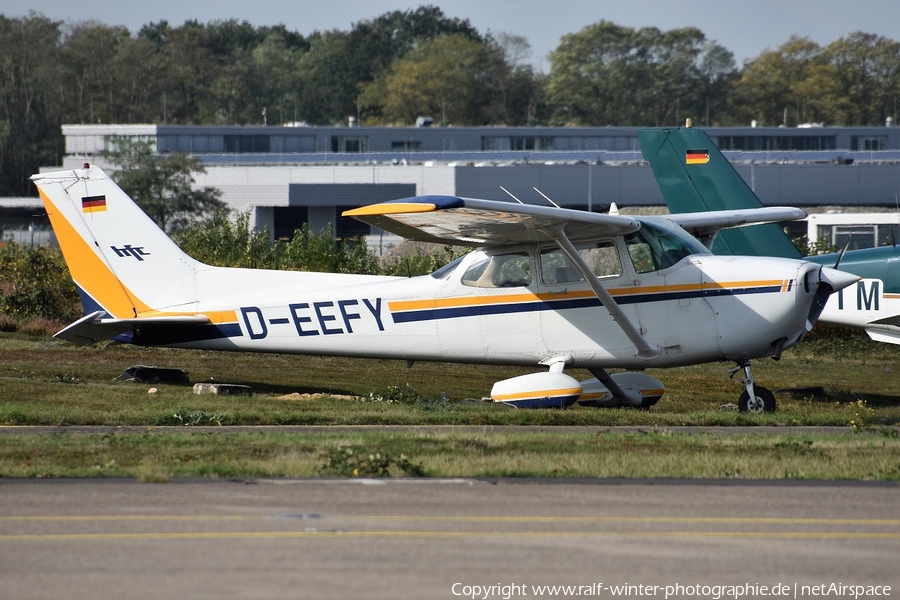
(46, 382)
(155, 456)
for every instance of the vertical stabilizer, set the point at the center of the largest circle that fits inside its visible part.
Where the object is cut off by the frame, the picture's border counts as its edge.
(122, 263)
(694, 176)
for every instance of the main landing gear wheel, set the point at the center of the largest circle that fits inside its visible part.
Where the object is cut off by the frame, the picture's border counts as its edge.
(755, 399)
(763, 401)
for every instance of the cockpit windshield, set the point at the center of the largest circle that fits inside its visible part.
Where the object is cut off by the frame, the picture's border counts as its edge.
(659, 244)
(446, 270)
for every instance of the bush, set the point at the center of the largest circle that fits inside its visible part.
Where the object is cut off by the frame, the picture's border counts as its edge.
(8, 324)
(421, 262)
(224, 242)
(41, 326)
(353, 461)
(35, 282)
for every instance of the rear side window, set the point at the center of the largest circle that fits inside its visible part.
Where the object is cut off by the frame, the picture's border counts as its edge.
(499, 270)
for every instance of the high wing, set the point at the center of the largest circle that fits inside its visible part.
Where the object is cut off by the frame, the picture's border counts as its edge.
(476, 223)
(705, 226)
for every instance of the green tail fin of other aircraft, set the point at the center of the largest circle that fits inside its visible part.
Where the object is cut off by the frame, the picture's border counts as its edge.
(694, 176)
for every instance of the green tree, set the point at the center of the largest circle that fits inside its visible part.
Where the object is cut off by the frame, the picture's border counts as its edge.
(787, 86)
(375, 44)
(225, 242)
(277, 63)
(339, 65)
(162, 184)
(140, 77)
(89, 55)
(611, 75)
(328, 89)
(32, 89)
(515, 92)
(190, 71)
(866, 72)
(444, 77)
(709, 100)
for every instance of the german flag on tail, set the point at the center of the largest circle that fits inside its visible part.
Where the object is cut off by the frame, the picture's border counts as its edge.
(696, 156)
(92, 204)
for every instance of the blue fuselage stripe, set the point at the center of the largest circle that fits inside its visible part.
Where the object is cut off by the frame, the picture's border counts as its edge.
(432, 314)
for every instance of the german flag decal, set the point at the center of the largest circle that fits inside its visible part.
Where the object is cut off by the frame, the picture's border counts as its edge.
(696, 156)
(92, 204)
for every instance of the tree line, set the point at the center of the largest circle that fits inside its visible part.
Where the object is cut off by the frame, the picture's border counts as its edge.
(404, 64)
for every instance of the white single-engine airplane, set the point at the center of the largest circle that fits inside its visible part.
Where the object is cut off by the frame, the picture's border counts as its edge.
(546, 286)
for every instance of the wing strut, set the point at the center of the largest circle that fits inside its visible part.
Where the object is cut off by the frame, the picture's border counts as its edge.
(645, 351)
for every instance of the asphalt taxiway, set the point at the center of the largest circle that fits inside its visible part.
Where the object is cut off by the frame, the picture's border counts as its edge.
(249, 538)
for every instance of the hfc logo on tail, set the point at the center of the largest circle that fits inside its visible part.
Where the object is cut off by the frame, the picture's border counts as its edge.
(128, 250)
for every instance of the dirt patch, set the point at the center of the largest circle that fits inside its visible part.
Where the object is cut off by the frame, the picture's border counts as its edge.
(317, 396)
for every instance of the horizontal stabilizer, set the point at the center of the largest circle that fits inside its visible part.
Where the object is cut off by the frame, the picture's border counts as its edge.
(881, 335)
(893, 320)
(93, 328)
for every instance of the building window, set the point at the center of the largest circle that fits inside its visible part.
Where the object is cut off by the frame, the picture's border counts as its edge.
(868, 142)
(494, 143)
(777, 142)
(530, 143)
(406, 145)
(287, 220)
(246, 144)
(349, 144)
(516, 143)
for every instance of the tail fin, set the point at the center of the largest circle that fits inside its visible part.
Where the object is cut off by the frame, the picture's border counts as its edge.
(121, 262)
(694, 176)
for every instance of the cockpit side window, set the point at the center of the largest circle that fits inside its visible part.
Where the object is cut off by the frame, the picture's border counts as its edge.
(557, 269)
(499, 270)
(653, 248)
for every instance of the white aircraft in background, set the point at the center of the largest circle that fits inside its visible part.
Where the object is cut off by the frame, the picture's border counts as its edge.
(546, 286)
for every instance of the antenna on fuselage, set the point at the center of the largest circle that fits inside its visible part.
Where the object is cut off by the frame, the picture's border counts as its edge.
(841, 255)
(511, 195)
(546, 197)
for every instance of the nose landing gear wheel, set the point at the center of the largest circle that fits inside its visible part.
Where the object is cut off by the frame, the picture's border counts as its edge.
(763, 401)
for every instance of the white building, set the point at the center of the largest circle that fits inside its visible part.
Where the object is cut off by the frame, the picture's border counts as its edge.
(286, 176)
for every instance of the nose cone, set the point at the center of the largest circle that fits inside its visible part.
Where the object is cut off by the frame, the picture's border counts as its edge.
(829, 281)
(838, 280)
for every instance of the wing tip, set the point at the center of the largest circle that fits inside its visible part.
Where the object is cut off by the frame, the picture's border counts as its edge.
(417, 204)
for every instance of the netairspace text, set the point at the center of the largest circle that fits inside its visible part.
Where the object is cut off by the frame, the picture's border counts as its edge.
(712, 592)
